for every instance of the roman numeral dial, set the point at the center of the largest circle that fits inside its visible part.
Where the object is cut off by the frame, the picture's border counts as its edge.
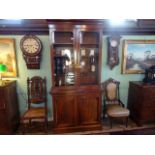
(31, 47)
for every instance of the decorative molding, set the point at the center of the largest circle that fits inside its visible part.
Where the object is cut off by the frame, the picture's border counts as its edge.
(24, 31)
(27, 26)
(40, 26)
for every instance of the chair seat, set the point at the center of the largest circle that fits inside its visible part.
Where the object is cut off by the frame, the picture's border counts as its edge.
(117, 111)
(34, 113)
(112, 106)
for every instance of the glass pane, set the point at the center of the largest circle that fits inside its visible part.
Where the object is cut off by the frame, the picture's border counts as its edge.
(63, 66)
(89, 38)
(89, 66)
(63, 37)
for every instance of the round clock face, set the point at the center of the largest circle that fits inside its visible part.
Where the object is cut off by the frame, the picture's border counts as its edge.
(114, 43)
(30, 44)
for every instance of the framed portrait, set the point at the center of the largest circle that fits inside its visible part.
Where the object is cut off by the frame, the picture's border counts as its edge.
(138, 55)
(8, 57)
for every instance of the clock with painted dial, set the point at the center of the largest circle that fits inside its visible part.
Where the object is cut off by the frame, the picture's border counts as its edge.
(114, 43)
(31, 48)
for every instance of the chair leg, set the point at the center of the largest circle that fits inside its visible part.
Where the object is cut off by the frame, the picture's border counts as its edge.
(110, 120)
(46, 125)
(103, 115)
(30, 122)
(127, 118)
(23, 127)
(104, 112)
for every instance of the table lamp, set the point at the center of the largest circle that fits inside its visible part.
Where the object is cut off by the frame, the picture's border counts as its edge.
(3, 68)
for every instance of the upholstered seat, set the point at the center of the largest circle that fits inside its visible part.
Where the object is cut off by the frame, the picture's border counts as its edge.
(109, 106)
(117, 111)
(113, 106)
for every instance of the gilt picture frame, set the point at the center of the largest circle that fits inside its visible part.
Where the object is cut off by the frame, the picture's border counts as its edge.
(8, 57)
(138, 55)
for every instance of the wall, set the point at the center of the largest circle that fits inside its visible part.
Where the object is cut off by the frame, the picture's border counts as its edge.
(116, 71)
(23, 72)
(45, 70)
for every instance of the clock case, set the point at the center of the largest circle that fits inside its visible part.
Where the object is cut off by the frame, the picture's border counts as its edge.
(150, 75)
(32, 60)
(113, 55)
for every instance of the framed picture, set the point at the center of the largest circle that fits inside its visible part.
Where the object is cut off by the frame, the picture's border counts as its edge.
(138, 55)
(8, 56)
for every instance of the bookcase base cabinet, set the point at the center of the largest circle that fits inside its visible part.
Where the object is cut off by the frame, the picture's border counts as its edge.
(76, 112)
(9, 111)
(141, 102)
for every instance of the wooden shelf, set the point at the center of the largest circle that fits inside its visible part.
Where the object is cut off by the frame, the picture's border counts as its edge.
(89, 45)
(63, 45)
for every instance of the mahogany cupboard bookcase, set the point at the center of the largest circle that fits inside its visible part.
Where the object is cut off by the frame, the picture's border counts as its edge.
(76, 71)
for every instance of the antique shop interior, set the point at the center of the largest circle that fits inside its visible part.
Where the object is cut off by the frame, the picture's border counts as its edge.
(77, 76)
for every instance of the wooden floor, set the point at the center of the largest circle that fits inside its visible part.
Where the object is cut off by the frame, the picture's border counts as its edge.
(117, 129)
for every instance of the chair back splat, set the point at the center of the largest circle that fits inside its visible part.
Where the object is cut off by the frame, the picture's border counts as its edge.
(36, 87)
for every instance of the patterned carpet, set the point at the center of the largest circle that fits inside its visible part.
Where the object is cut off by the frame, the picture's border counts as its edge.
(117, 129)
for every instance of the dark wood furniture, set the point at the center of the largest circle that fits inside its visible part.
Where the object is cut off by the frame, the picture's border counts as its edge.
(9, 110)
(37, 101)
(76, 69)
(141, 102)
(113, 106)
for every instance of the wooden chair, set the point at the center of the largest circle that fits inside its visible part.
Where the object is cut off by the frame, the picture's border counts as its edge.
(113, 106)
(37, 101)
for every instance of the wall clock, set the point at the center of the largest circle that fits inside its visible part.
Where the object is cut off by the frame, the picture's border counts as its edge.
(113, 55)
(31, 48)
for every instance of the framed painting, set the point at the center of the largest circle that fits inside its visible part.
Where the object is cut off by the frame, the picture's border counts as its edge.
(138, 55)
(8, 57)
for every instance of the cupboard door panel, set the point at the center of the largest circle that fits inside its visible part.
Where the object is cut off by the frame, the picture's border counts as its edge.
(2, 99)
(88, 109)
(141, 102)
(64, 107)
(4, 124)
(9, 111)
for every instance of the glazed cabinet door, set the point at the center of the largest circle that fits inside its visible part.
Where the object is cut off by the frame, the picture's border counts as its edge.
(89, 57)
(88, 109)
(64, 111)
(63, 57)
